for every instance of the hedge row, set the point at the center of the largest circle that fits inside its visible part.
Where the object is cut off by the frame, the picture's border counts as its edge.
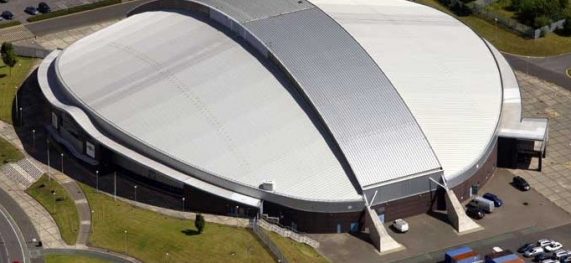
(9, 24)
(71, 10)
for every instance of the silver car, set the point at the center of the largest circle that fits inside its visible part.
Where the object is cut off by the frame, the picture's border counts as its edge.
(534, 251)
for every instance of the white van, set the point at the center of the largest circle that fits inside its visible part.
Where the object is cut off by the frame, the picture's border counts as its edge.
(400, 225)
(484, 204)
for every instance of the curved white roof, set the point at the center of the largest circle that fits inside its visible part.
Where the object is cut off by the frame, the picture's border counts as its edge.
(377, 92)
(444, 72)
(186, 89)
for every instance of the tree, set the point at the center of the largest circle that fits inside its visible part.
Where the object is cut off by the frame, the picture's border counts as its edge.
(8, 55)
(538, 12)
(199, 223)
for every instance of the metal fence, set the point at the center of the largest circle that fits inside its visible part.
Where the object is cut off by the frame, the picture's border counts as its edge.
(287, 232)
(479, 8)
(259, 231)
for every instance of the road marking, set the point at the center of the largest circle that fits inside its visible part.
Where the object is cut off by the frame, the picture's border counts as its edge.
(5, 249)
(16, 231)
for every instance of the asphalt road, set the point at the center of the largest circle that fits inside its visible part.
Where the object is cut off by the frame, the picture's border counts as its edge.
(13, 247)
(551, 69)
(95, 16)
(23, 222)
(511, 241)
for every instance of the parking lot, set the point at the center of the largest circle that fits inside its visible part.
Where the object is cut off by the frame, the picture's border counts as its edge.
(523, 213)
(17, 6)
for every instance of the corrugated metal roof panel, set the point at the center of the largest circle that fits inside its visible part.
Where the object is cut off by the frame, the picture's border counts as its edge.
(372, 125)
(444, 72)
(248, 10)
(186, 89)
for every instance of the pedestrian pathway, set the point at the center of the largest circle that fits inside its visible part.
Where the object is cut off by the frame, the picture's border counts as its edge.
(45, 225)
(17, 177)
(541, 98)
(15, 33)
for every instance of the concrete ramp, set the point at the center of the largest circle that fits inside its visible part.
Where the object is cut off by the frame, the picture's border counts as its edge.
(378, 234)
(457, 216)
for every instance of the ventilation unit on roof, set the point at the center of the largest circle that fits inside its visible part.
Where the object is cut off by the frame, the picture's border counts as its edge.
(267, 186)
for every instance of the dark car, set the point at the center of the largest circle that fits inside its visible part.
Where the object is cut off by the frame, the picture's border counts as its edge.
(521, 183)
(475, 212)
(494, 198)
(541, 256)
(525, 247)
(44, 8)
(31, 10)
(3, 1)
(7, 15)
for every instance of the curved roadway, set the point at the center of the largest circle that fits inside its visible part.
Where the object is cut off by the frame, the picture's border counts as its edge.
(12, 244)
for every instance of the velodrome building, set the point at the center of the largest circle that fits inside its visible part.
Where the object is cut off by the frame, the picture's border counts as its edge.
(304, 111)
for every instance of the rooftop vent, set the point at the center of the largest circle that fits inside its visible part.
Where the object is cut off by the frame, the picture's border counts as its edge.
(267, 186)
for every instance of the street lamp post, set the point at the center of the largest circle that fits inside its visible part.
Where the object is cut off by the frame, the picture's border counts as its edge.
(34, 139)
(125, 241)
(21, 117)
(48, 151)
(97, 180)
(61, 155)
(16, 100)
(237, 210)
(92, 220)
(135, 187)
(183, 199)
(54, 195)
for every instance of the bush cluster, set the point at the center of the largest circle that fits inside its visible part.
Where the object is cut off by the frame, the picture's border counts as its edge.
(539, 13)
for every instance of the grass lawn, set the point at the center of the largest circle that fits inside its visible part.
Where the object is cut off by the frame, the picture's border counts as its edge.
(9, 153)
(65, 213)
(73, 259)
(296, 252)
(506, 41)
(9, 83)
(150, 236)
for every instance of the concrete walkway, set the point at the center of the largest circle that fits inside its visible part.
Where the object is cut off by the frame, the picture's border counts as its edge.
(45, 225)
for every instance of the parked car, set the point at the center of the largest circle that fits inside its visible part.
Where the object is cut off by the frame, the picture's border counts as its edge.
(521, 183)
(534, 251)
(561, 253)
(525, 247)
(3, 1)
(400, 225)
(44, 8)
(544, 242)
(483, 203)
(494, 198)
(549, 261)
(31, 10)
(541, 256)
(475, 212)
(7, 15)
(553, 246)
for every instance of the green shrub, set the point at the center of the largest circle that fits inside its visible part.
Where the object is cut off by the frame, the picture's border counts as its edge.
(199, 223)
(71, 10)
(9, 24)
(541, 21)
